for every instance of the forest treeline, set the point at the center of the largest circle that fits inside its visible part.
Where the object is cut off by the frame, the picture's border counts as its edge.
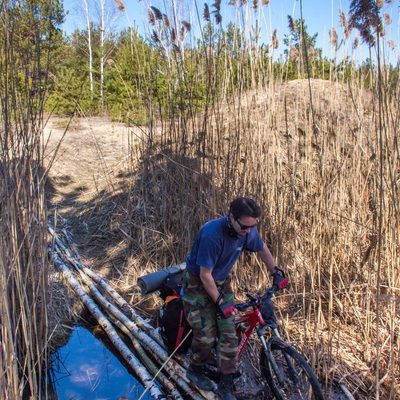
(134, 78)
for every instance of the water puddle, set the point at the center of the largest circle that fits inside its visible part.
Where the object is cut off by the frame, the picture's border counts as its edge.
(85, 369)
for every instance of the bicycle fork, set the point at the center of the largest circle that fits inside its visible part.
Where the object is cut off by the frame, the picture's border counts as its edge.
(267, 349)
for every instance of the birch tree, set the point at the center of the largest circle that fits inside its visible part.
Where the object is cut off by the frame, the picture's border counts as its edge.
(106, 19)
(100, 19)
(89, 43)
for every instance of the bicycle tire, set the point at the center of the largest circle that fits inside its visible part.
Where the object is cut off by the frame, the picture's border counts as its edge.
(304, 386)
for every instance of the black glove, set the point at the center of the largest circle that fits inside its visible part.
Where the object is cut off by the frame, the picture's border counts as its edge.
(225, 310)
(279, 278)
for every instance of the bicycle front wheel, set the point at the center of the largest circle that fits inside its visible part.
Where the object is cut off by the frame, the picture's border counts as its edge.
(288, 373)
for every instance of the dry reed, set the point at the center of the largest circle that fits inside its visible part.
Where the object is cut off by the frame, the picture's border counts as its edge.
(328, 218)
(24, 267)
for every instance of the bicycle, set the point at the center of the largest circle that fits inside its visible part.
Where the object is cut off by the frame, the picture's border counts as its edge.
(287, 373)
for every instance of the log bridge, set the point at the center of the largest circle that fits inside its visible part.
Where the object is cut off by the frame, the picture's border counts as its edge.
(162, 375)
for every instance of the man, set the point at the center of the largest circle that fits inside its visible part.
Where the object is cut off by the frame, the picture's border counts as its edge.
(208, 298)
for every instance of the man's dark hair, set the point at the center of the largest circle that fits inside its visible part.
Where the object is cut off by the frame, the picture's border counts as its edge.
(244, 207)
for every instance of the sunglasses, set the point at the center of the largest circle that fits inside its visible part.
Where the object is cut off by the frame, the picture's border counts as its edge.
(244, 227)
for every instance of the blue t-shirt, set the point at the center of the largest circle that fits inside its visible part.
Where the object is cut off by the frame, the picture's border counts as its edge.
(214, 249)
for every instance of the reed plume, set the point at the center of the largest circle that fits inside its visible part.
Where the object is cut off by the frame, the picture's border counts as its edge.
(364, 17)
(216, 11)
(173, 35)
(342, 19)
(292, 24)
(387, 18)
(333, 37)
(166, 21)
(157, 13)
(154, 37)
(186, 25)
(275, 40)
(120, 5)
(344, 24)
(206, 12)
(151, 18)
(217, 6)
(255, 5)
(264, 2)
(391, 44)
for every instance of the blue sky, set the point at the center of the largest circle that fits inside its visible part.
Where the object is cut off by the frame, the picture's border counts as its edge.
(319, 15)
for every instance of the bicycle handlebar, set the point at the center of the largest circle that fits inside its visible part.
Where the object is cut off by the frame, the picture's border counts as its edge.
(270, 292)
(255, 301)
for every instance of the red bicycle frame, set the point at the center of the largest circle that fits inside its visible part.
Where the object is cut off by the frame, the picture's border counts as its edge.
(245, 325)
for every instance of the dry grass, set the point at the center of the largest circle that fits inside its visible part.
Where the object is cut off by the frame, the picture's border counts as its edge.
(24, 267)
(325, 210)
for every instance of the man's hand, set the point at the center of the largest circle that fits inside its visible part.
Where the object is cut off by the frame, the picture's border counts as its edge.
(225, 310)
(279, 278)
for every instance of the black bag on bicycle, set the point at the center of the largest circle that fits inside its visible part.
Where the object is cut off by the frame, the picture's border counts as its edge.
(268, 311)
(172, 320)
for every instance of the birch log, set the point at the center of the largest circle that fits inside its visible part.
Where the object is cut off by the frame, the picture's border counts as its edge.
(168, 385)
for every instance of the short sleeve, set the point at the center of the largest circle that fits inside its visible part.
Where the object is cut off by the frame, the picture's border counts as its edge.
(254, 241)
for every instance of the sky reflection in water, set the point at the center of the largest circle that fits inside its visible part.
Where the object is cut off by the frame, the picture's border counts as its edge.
(89, 371)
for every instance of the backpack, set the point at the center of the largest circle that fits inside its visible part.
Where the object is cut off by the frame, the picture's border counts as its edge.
(172, 320)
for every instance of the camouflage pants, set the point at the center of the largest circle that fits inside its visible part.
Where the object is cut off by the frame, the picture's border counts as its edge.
(209, 332)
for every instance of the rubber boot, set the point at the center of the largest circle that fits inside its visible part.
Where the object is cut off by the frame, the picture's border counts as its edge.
(225, 387)
(195, 373)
